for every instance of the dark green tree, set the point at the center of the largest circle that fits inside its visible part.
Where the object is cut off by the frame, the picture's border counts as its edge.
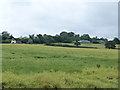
(30, 41)
(24, 39)
(48, 39)
(41, 39)
(110, 45)
(36, 40)
(77, 37)
(57, 38)
(85, 37)
(32, 36)
(71, 34)
(5, 35)
(94, 40)
(104, 39)
(116, 40)
(76, 43)
(65, 37)
(11, 37)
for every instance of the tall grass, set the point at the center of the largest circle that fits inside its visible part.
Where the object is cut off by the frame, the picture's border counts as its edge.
(88, 78)
(27, 66)
(37, 58)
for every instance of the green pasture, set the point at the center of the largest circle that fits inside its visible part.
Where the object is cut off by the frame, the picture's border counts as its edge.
(99, 46)
(25, 65)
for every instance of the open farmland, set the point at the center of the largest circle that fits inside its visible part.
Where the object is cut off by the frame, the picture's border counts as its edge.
(41, 66)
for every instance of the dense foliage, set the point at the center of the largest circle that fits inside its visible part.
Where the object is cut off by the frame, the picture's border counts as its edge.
(63, 37)
(76, 43)
(6, 37)
(110, 44)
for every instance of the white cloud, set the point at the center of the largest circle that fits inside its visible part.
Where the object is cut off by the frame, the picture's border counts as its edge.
(51, 17)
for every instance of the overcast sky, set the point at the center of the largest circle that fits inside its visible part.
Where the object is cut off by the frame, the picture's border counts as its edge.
(33, 17)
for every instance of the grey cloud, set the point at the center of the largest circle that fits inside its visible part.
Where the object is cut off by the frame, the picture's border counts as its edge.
(96, 19)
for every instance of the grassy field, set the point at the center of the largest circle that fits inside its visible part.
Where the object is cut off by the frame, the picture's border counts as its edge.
(99, 46)
(40, 66)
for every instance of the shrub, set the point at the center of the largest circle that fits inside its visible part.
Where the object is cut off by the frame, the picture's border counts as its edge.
(30, 41)
(110, 45)
(77, 43)
(6, 41)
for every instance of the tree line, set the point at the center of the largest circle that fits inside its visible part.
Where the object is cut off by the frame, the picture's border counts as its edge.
(63, 37)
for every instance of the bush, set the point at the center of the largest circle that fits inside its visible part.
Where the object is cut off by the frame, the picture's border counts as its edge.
(30, 41)
(6, 41)
(110, 45)
(77, 43)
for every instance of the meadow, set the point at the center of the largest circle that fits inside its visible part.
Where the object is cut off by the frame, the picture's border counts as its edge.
(40, 66)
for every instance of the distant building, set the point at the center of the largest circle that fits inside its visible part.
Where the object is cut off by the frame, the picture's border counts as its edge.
(100, 41)
(13, 41)
(18, 42)
(84, 41)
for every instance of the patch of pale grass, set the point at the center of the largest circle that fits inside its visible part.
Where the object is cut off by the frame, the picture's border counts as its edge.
(88, 78)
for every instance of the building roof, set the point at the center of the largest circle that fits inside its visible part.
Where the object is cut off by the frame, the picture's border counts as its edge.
(84, 41)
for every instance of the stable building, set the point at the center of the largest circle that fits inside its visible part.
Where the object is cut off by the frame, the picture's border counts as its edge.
(84, 41)
(100, 41)
(13, 41)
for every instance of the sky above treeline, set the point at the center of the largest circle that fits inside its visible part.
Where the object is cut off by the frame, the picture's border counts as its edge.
(22, 18)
